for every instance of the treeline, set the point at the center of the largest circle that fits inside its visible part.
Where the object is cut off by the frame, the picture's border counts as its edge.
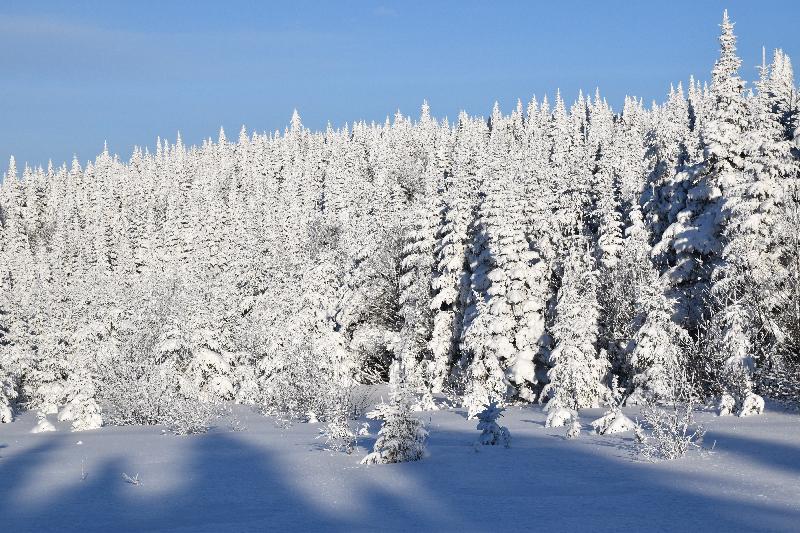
(548, 255)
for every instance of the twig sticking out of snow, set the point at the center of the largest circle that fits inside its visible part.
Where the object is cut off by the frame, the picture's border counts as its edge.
(132, 480)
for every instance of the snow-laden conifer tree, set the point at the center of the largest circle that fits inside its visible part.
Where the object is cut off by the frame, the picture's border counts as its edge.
(8, 394)
(577, 371)
(450, 281)
(415, 298)
(504, 320)
(752, 249)
(401, 437)
(659, 347)
(492, 433)
(692, 245)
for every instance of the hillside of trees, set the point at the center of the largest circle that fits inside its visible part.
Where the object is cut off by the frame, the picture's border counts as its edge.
(561, 254)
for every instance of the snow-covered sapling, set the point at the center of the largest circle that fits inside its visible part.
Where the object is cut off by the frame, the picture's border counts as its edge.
(8, 393)
(753, 404)
(726, 405)
(492, 433)
(400, 439)
(613, 420)
(42, 425)
(672, 432)
(574, 430)
(338, 435)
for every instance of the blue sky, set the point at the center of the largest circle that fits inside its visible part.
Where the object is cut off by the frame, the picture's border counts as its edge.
(80, 72)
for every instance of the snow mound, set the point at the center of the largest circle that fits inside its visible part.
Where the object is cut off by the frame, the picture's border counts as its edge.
(560, 417)
(611, 422)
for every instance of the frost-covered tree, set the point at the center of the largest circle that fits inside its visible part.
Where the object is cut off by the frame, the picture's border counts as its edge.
(401, 437)
(492, 433)
(504, 319)
(751, 244)
(692, 246)
(659, 348)
(577, 371)
(415, 300)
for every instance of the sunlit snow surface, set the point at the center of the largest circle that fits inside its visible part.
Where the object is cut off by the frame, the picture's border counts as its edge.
(271, 479)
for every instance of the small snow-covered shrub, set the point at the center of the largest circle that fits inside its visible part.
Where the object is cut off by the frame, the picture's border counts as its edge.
(673, 432)
(492, 433)
(400, 439)
(84, 412)
(337, 432)
(424, 402)
(736, 381)
(614, 420)
(574, 430)
(132, 480)
(136, 394)
(81, 407)
(42, 425)
(338, 435)
(726, 405)
(8, 393)
(753, 404)
(560, 417)
(305, 388)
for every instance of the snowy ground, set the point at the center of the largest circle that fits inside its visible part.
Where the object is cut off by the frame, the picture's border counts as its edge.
(268, 478)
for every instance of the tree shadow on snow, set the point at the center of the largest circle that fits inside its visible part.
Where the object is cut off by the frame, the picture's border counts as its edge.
(226, 483)
(775, 455)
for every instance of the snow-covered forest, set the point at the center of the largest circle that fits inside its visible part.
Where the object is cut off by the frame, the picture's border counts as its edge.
(564, 253)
